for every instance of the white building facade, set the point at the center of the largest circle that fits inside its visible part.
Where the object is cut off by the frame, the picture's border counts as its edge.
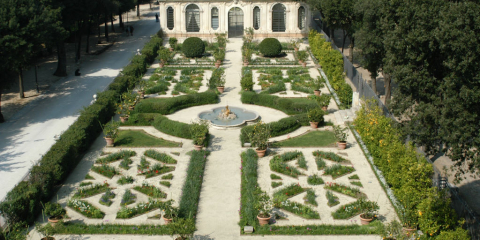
(280, 19)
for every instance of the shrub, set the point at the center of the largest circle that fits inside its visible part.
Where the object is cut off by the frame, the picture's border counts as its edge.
(316, 115)
(249, 189)
(247, 80)
(171, 127)
(193, 47)
(141, 119)
(170, 105)
(288, 106)
(270, 47)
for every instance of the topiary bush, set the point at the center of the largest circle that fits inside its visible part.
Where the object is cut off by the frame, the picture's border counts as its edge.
(193, 47)
(270, 47)
(170, 105)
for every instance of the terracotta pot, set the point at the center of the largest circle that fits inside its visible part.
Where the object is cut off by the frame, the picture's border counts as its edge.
(296, 49)
(317, 92)
(167, 220)
(171, 49)
(409, 231)
(245, 64)
(198, 147)
(109, 142)
(263, 221)
(260, 153)
(131, 108)
(365, 221)
(48, 238)
(142, 94)
(325, 108)
(342, 144)
(304, 64)
(314, 125)
(162, 64)
(54, 221)
(221, 89)
(123, 119)
(217, 64)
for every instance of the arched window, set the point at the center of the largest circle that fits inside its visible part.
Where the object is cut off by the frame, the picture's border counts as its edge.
(256, 18)
(192, 18)
(214, 18)
(170, 22)
(301, 18)
(278, 18)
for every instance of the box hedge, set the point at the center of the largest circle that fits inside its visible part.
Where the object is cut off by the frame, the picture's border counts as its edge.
(270, 47)
(171, 127)
(24, 201)
(166, 106)
(287, 105)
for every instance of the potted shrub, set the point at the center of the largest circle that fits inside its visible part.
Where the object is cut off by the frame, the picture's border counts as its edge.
(317, 84)
(130, 99)
(393, 231)
(110, 130)
(247, 56)
(199, 131)
(173, 43)
(169, 212)
(323, 101)
(295, 44)
(221, 40)
(183, 228)
(369, 211)
(259, 138)
(315, 116)
(221, 83)
(54, 211)
(141, 89)
(219, 56)
(164, 55)
(409, 219)
(46, 231)
(341, 136)
(264, 206)
(124, 111)
(302, 57)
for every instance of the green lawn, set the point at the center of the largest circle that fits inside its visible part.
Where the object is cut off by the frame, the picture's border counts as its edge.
(311, 139)
(139, 138)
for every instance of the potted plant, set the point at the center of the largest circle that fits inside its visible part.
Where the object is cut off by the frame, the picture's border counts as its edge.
(409, 219)
(259, 137)
(54, 211)
(369, 211)
(183, 228)
(295, 44)
(221, 83)
(341, 136)
(315, 116)
(164, 55)
(123, 110)
(219, 56)
(323, 101)
(46, 231)
(393, 231)
(247, 56)
(302, 57)
(199, 131)
(130, 99)
(169, 212)
(264, 206)
(110, 130)
(221, 40)
(141, 89)
(248, 35)
(317, 84)
(173, 43)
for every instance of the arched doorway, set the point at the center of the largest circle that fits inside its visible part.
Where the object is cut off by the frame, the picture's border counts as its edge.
(235, 22)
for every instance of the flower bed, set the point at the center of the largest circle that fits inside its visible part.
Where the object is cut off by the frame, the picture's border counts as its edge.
(106, 198)
(128, 198)
(89, 190)
(310, 198)
(105, 170)
(314, 180)
(299, 209)
(125, 163)
(162, 157)
(347, 211)
(356, 183)
(338, 170)
(330, 156)
(278, 163)
(332, 199)
(125, 180)
(157, 170)
(85, 208)
(347, 190)
(168, 176)
(139, 209)
(288, 192)
(320, 163)
(275, 177)
(165, 183)
(116, 156)
(276, 184)
(150, 191)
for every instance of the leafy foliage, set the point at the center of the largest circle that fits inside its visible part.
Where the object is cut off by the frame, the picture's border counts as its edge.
(193, 47)
(270, 47)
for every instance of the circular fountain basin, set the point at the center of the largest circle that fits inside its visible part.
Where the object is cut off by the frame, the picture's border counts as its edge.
(243, 116)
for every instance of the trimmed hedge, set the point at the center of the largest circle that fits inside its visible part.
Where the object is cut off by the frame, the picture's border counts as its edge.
(170, 105)
(332, 64)
(24, 201)
(249, 190)
(270, 47)
(141, 119)
(193, 47)
(171, 127)
(283, 126)
(286, 105)
(193, 184)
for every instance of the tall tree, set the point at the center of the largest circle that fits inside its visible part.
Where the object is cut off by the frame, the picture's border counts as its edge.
(25, 25)
(433, 53)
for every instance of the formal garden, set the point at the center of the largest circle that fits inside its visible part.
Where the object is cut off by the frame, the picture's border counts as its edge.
(301, 173)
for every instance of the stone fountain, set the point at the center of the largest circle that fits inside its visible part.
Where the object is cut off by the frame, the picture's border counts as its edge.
(229, 116)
